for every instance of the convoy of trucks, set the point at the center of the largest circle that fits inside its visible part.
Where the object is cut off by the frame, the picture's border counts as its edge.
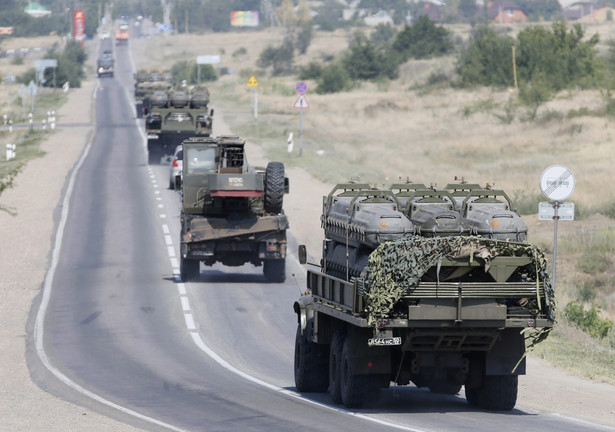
(439, 288)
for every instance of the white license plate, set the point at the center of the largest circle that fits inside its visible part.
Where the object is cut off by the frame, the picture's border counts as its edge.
(152, 137)
(384, 341)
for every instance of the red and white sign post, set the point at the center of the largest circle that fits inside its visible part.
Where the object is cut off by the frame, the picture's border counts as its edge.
(79, 26)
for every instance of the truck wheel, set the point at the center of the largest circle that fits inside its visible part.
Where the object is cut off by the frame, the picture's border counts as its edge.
(153, 158)
(189, 270)
(311, 373)
(335, 360)
(498, 393)
(275, 270)
(274, 187)
(139, 110)
(356, 390)
(472, 396)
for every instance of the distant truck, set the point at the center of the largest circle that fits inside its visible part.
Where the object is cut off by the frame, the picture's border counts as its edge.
(174, 116)
(104, 65)
(435, 287)
(146, 83)
(122, 34)
(231, 211)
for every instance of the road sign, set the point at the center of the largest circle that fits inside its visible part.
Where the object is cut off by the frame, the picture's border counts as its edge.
(301, 102)
(557, 182)
(252, 82)
(208, 59)
(565, 211)
(301, 87)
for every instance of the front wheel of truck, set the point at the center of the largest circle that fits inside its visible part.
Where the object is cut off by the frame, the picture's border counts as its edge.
(311, 372)
(189, 270)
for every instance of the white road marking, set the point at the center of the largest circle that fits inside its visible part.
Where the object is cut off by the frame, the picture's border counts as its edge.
(189, 321)
(185, 303)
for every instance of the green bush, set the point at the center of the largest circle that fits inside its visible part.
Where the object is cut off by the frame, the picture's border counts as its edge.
(312, 70)
(487, 60)
(588, 321)
(333, 79)
(547, 59)
(280, 58)
(364, 61)
(188, 71)
(421, 40)
(70, 67)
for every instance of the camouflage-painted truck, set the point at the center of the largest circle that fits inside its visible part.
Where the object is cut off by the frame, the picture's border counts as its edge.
(231, 211)
(174, 116)
(435, 287)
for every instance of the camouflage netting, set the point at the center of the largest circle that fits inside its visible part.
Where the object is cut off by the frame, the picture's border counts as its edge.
(395, 268)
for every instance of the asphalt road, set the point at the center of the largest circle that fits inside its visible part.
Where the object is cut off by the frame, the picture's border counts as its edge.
(127, 338)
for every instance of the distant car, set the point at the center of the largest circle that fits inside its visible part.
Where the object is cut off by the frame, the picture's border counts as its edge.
(177, 164)
(105, 35)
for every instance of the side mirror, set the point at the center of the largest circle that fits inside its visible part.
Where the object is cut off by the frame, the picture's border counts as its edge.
(302, 254)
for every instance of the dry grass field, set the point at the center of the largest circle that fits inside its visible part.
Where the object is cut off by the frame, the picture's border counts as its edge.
(408, 129)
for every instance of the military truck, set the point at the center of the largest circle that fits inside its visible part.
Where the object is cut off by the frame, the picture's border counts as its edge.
(104, 65)
(173, 116)
(439, 288)
(231, 211)
(146, 83)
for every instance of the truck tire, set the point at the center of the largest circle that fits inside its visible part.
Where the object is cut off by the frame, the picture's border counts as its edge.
(274, 187)
(498, 393)
(356, 390)
(153, 158)
(139, 109)
(311, 372)
(189, 270)
(275, 270)
(335, 360)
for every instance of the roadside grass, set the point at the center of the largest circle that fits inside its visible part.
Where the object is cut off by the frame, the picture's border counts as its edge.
(572, 350)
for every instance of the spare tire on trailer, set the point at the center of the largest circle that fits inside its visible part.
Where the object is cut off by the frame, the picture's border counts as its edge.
(274, 187)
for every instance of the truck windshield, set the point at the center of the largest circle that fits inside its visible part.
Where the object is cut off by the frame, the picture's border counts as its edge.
(201, 160)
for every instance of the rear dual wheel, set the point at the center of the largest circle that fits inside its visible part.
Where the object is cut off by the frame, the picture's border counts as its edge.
(275, 270)
(189, 270)
(346, 386)
(497, 393)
